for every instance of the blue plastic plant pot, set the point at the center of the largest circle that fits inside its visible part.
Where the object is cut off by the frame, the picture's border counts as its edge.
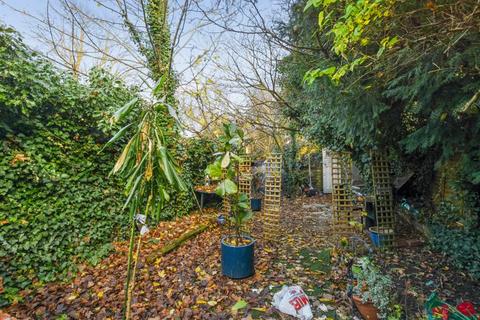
(238, 262)
(374, 237)
(379, 235)
(256, 204)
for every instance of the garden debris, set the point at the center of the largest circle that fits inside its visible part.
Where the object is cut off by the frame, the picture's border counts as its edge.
(177, 242)
(187, 283)
(293, 301)
(5, 316)
(141, 220)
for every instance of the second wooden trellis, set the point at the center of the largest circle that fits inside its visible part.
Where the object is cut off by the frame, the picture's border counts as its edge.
(244, 180)
(342, 197)
(273, 194)
(382, 186)
(245, 175)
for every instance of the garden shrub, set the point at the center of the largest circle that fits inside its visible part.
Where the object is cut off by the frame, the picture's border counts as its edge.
(293, 179)
(193, 154)
(58, 205)
(462, 246)
(412, 93)
(454, 231)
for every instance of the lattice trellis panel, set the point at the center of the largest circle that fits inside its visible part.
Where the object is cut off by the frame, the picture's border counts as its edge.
(382, 187)
(245, 175)
(342, 196)
(273, 194)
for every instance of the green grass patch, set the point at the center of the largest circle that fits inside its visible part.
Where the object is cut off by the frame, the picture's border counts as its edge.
(316, 260)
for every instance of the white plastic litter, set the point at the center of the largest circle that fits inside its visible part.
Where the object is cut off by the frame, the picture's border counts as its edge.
(293, 301)
(323, 307)
(141, 220)
(144, 230)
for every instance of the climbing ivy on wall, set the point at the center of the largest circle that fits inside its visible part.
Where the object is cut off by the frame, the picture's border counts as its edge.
(194, 154)
(58, 205)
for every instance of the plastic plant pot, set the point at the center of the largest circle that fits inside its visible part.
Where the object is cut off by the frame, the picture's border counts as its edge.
(238, 262)
(256, 204)
(379, 235)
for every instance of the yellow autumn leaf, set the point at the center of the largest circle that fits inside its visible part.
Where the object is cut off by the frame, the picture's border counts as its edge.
(262, 309)
(122, 157)
(100, 294)
(212, 303)
(73, 296)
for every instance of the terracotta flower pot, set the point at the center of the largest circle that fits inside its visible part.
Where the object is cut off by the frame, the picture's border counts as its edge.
(367, 310)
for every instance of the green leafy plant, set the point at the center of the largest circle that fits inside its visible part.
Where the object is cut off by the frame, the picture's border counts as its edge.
(375, 287)
(149, 171)
(58, 207)
(454, 231)
(225, 169)
(193, 155)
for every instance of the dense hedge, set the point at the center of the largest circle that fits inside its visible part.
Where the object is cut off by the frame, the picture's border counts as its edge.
(193, 156)
(454, 232)
(58, 206)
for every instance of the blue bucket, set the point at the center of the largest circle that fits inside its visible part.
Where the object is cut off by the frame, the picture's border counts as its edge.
(256, 204)
(238, 262)
(379, 235)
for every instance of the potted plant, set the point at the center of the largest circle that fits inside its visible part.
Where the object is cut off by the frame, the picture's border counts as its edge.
(237, 249)
(380, 235)
(373, 291)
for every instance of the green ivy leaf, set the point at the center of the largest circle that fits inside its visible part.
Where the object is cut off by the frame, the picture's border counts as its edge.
(240, 304)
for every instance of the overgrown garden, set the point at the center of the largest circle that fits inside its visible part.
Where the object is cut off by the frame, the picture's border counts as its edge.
(201, 159)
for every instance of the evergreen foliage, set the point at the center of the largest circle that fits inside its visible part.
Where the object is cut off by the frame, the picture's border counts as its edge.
(58, 207)
(417, 98)
(58, 204)
(398, 76)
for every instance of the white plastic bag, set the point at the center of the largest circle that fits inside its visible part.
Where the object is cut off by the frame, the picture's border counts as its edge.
(141, 220)
(293, 301)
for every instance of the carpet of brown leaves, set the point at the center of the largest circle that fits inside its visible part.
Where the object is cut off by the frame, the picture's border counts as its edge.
(187, 283)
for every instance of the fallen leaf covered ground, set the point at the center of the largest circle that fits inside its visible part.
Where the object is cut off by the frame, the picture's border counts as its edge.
(187, 283)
